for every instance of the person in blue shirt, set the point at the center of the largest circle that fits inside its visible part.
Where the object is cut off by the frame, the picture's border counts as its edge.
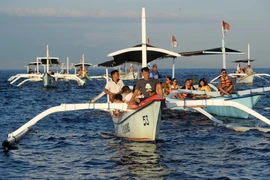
(154, 72)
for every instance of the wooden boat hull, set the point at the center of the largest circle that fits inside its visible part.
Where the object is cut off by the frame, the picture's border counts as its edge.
(142, 124)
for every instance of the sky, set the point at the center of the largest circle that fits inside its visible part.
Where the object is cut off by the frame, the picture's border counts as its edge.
(96, 28)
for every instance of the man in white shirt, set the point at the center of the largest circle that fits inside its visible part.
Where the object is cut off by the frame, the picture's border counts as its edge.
(114, 86)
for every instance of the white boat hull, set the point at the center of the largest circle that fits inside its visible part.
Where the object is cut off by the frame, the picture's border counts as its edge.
(246, 79)
(129, 76)
(142, 124)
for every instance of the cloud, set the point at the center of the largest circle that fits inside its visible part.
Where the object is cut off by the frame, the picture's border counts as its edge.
(80, 13)
(65, 12)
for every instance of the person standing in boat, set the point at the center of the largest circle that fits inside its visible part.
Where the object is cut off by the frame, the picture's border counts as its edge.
(147, 85)
(154, 72)
(114, 86)
(225, 83)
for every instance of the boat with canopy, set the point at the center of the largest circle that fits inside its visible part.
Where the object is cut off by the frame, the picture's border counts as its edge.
(143, 122)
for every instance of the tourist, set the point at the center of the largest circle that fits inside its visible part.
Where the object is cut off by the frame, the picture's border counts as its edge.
(147, 85)
(203, 86)
(225, 83)
(114, 86)
(154, 72)
(187, 86)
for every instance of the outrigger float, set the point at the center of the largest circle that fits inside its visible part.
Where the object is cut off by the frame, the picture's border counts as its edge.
(143, 123)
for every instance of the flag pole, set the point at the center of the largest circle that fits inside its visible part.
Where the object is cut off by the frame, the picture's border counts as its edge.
(223, 46)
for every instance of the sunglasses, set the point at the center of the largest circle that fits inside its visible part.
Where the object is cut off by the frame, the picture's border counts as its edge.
(224, 72)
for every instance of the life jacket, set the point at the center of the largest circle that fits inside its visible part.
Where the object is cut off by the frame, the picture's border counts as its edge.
(151, 98)
(225, 82)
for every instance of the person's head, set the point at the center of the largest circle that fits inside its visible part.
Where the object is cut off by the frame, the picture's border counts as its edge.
(154, 67)
(125, 89)
(131, 69)
(174, 81)
(223, 72)
(202, 82)
(145, 72)
(187, 82)
(168, 79)
(115, 74)
(118, 98)
(248, 66)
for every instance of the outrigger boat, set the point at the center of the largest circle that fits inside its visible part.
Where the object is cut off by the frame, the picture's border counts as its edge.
(49, 80)
(129, 125)
(243, 77)
(82, 69)
(31, 76)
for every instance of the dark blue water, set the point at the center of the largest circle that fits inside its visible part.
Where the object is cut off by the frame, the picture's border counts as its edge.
(81, 145)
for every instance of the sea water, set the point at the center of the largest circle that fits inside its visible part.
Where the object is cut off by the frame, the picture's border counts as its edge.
(81, 144)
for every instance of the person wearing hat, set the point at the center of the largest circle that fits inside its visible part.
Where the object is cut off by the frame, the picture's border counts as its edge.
(154, 72)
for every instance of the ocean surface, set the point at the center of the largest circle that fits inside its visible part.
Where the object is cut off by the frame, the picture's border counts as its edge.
(82, 145)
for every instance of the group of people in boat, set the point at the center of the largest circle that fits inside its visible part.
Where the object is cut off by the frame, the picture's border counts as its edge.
(83, 73)
(247, 70)
(148, 87)
(30, 71)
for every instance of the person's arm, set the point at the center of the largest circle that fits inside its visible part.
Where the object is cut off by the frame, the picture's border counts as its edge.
(108, 92)
(159, 89)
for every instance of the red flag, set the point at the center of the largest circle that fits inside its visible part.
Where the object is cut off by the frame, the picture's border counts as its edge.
(225, 25)
(148, 41)
(174, 42)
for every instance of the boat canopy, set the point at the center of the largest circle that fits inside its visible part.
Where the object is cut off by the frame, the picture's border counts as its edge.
(243, 60)
(52, 60)
(34, 63)
(134, 55)
(85, 64)
(213, 51)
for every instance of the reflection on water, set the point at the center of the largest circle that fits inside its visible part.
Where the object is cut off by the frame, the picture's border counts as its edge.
(138, 159)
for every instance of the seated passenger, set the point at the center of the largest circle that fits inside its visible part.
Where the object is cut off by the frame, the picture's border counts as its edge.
(174, 87)
(127, 93)
(203, 86)
(118, 98)
(225, 83)
(167, 86)
(187, 86)
(131, 69)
